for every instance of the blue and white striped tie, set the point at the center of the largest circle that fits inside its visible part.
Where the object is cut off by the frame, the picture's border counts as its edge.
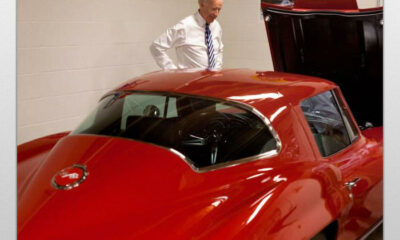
(210, 49)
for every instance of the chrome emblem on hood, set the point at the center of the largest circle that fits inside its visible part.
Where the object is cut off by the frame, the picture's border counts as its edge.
(69, 177)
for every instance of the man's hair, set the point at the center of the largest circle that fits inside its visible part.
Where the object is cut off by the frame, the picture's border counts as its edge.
(203, 1)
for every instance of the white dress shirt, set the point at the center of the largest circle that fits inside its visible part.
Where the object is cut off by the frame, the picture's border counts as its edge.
(188, 39)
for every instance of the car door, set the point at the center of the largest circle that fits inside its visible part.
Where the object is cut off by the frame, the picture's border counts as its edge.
(358, 158)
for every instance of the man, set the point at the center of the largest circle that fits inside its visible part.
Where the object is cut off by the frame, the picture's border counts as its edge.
(196, 39)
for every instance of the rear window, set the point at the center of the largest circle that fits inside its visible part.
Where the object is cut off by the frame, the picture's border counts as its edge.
(206, 131)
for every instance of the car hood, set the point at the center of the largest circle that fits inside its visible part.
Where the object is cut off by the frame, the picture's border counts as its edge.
(133, 190)
(334, 40)
(324, 38)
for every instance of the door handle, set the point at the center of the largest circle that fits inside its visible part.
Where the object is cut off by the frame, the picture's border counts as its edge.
(350, 185)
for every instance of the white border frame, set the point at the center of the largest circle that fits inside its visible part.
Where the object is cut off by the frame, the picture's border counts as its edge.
(8, 218)
(391, 159)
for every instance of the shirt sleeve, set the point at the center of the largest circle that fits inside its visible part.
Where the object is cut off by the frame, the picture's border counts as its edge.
(219, 52)
(165, 41)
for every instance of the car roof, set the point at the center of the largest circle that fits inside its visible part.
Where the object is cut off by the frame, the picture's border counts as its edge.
(240, 85)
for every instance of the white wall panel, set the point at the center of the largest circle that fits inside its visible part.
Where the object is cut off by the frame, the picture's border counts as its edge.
(244, 36)
(70, 52)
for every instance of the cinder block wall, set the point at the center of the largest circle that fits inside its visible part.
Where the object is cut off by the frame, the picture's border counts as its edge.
(244, 35)
(70, 52)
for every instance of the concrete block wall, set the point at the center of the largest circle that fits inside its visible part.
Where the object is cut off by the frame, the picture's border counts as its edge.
(244, 36)
(70, 52)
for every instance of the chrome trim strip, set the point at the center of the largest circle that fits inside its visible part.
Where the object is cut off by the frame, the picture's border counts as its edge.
(371, 230)
(270, 128)
(342, 115)
(72, 185)
(224, 164)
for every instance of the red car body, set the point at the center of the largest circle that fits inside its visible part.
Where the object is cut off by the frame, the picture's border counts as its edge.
(136, 190)
(139, 190)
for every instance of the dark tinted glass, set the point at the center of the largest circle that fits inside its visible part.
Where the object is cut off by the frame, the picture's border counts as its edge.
(206, 131)
(326, 123)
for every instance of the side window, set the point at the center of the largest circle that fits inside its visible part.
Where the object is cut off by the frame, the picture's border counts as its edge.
(171, 110)
(327, 125)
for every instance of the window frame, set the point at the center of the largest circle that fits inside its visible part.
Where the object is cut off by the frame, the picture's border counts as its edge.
(343, 109)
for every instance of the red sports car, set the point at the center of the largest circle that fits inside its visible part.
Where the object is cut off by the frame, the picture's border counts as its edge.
(230, 154)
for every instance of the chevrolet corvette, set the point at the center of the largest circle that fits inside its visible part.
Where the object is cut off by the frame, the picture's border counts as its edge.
(294, 153)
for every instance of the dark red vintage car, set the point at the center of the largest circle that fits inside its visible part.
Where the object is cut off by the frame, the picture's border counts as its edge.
(230, 154)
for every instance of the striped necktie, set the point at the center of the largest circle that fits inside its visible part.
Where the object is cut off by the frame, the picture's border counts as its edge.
(210, 49)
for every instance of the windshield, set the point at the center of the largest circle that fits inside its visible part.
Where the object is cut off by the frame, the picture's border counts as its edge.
(206, 131)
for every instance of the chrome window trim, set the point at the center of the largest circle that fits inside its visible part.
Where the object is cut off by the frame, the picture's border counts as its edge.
(372, 229)
(232, 163)
(343, 115)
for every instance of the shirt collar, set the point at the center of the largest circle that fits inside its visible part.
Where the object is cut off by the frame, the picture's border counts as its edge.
(200, 20)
